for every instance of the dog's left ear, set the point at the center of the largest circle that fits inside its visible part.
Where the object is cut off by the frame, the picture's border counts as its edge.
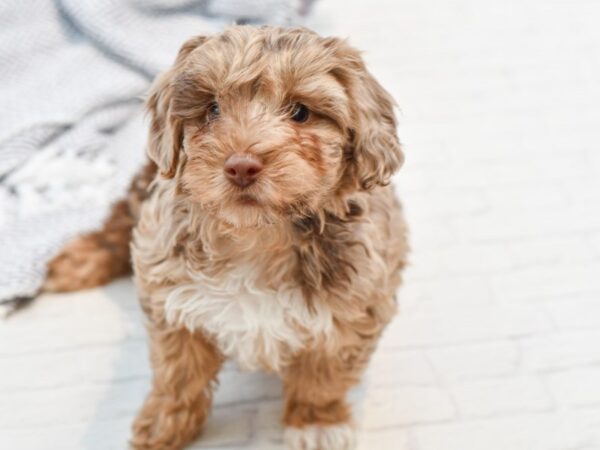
(373, 146)
(166, 131)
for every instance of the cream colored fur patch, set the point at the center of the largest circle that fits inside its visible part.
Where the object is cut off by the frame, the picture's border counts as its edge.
(254, 327)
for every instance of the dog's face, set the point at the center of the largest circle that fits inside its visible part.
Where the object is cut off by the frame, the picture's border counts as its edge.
(264, 124)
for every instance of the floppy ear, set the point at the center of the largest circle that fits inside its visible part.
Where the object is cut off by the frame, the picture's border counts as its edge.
(166, 131)
(374, 152)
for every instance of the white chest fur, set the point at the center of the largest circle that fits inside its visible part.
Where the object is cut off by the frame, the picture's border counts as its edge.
(257, 328)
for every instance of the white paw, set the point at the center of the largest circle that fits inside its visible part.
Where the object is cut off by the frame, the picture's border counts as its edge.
(325, 437)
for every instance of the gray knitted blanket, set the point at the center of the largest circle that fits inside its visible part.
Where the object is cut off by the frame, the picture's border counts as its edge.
(72, 75)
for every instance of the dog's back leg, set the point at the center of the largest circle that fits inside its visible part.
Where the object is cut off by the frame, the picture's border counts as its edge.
(96, 258)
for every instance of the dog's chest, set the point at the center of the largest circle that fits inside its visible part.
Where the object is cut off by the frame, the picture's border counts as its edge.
(259, 328)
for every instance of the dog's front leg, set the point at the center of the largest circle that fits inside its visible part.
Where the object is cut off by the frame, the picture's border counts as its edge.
(185, 367)
(316, 415)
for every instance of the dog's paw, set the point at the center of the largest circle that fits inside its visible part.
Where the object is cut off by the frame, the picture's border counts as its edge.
(163, 430)
(321, 437)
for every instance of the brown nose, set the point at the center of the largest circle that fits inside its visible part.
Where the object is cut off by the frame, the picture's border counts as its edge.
(242, 169)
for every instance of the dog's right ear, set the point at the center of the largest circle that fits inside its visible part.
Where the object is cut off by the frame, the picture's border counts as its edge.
(166, 131)
(374, 151)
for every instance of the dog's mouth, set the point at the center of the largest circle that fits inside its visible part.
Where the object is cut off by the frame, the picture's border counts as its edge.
(247, 200)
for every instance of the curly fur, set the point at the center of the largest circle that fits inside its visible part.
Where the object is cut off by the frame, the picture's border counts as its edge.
(294, 274)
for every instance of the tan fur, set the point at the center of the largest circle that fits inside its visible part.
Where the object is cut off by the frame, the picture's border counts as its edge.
(296, 273)
(185, 367)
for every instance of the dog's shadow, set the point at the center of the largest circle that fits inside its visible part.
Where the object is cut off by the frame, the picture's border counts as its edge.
(247, 406)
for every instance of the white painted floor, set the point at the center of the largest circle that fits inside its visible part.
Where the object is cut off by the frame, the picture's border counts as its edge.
(498, 343)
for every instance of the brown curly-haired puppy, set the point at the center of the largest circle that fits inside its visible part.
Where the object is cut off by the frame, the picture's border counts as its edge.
(269, 236)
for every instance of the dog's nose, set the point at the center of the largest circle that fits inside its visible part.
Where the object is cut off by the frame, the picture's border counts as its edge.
(242, 169)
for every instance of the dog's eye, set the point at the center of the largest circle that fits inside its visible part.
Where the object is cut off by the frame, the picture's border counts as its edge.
(213, 111)
(299, 113)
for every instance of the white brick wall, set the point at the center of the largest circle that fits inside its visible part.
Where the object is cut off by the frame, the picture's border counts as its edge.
(499, 396)
(576, 387)
(406, 405)
(473, 361)
(514, 432)
(497, 345)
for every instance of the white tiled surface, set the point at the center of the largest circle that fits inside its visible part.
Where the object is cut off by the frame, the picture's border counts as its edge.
(498, 343)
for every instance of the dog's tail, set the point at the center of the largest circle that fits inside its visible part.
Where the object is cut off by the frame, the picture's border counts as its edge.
(95, 258)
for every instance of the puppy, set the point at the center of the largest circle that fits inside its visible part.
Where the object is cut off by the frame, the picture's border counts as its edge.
(268, 235)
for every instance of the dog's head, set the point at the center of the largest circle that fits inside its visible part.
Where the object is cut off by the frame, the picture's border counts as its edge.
(262, 124)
